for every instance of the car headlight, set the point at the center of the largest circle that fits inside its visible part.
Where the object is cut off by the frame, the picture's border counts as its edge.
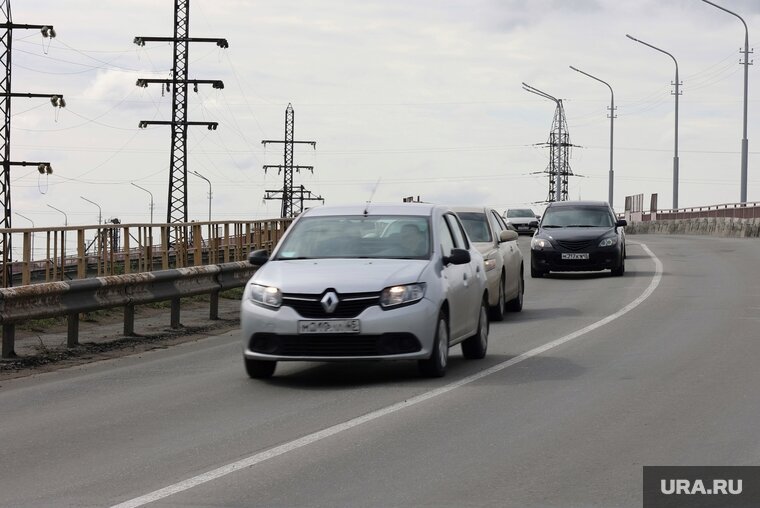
(608, 242)
(539, 243)
(267, 296)
(401, 295)
(490, 264)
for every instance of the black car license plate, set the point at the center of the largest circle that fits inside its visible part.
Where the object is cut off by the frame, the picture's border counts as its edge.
(575, 255)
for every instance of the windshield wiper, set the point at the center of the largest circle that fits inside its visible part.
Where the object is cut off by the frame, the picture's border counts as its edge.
(583, 226)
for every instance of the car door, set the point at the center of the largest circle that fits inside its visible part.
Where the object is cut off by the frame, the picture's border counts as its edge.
(470, 296)
(511, 254)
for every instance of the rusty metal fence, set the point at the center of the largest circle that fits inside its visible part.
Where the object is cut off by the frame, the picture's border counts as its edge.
(79, 252)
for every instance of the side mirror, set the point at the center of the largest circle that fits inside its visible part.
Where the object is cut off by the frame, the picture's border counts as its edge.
(538, 217)
(457, 257)
(258, 257)
(507, 235)
(621, 223)
(533, 224)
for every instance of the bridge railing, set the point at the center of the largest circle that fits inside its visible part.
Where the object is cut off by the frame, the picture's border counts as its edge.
(79, 252)
(735, 210)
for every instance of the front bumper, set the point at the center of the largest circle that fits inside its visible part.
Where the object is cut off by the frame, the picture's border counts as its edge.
(404, 333)
(599, 259)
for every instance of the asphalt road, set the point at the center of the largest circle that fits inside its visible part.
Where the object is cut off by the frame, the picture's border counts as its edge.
(672, 381)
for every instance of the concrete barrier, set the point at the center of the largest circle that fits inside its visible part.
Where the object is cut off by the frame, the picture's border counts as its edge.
(712, 226)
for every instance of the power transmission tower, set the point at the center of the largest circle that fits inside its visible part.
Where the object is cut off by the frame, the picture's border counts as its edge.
(559, 149)
(177, 201)
(6, 94)
(292, 197)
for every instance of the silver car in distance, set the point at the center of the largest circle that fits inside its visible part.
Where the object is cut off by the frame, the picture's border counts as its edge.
(366, 282)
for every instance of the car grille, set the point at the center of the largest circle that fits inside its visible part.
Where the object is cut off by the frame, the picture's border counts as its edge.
(575, 245)
(335, 345)
(350, 305)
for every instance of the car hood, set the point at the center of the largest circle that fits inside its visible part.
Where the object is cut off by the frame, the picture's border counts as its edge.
(342, 275)
(576, 233)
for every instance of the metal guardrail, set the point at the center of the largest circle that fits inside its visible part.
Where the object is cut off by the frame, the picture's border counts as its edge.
(78, 252)
(53, 299)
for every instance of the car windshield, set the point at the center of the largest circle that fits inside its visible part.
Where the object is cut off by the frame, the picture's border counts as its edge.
(352, 236)
(586, 216)
(512, 214)
(476, 225)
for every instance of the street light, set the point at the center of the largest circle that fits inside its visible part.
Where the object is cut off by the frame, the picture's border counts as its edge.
(100, 211)
(612, 129)
(745, 141)
(677, 93)
(65, 217)
(151, 199)
(32, 222)
(209, 193)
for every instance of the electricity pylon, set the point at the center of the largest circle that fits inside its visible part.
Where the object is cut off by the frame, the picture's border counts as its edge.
(292, 197)
(559, 149)
(177, 202)
(6, 94)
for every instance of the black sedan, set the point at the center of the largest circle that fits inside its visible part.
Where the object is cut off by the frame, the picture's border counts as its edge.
(576, 236)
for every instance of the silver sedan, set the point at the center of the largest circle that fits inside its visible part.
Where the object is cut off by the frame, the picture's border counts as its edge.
(380, 282)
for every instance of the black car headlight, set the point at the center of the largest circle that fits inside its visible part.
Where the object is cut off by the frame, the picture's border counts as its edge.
(608, 242)
(401, 295)
(266, 296)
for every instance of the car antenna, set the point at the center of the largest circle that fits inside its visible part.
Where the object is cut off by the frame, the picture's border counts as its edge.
(369, 201)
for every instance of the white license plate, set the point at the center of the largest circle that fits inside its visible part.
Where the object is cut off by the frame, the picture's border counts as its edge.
(329, 326)
(575, 255)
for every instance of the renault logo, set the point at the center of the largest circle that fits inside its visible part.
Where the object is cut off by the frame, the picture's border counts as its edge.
(329, 302)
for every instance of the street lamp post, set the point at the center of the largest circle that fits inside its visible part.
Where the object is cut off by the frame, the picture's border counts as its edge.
(745, 141)
(677, 93)
(209, 193)
(151, 199)
(100, 211)
(612, 130)
(65, 217)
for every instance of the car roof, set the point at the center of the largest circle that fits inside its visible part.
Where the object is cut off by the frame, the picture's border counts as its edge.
(577, 203)
(466, 209)
(422, 209)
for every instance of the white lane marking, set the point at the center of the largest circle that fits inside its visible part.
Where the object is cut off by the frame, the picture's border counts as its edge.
(374, 415)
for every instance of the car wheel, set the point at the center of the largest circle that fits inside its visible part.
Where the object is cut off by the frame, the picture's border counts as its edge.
(620, 270)
(536, 274)
(516, 304)
(259, 369)
(435, 366)
(498, 310)
(474, 348)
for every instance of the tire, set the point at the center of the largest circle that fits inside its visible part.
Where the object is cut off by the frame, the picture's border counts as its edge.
(259, 369)
(536, 274)
(516, 304)
(435, 366)
(497, 311)
(475, 347)
(620, 270)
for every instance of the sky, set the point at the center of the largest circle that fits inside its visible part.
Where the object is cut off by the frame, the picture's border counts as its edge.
(403, 98)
